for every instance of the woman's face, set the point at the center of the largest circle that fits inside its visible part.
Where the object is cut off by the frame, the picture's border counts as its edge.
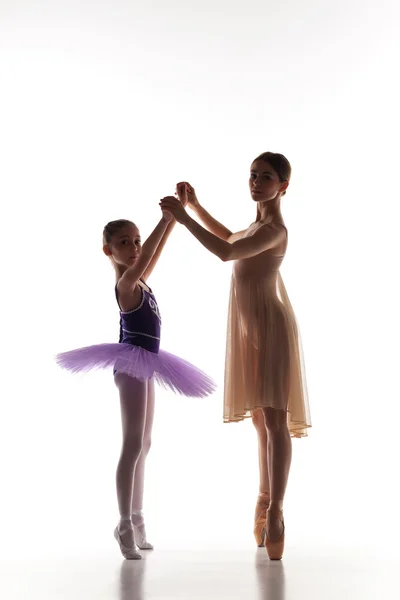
(264, 182)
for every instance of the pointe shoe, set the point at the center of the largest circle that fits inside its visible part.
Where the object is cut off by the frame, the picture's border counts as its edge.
(128, 553)
(140, 538)
(260, 519)
(139, 531)
(275, 548)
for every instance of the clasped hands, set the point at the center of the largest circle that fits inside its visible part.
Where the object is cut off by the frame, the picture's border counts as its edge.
(173, 207)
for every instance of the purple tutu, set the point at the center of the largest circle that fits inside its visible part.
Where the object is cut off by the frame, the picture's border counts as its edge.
(170, 371)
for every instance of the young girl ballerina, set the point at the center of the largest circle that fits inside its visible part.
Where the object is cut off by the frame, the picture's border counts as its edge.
(137, 361)
(264, 373)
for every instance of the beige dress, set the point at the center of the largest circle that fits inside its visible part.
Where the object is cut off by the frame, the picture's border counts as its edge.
(264, 363)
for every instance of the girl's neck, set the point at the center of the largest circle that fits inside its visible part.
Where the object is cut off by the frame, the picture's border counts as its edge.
(119, 271)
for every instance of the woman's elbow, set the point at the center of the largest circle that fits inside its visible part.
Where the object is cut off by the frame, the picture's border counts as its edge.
(226, 254)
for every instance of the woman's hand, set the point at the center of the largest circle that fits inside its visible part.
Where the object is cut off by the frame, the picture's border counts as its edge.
(189, 195)
(172, 205)
(181, 193)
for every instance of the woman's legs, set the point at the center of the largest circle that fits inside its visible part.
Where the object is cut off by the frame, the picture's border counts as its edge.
(279, 460)
(263, 499)
(133, 401)
(259, 424)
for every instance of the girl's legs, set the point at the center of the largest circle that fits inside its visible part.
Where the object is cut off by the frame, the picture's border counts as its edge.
(279, 460)
(133, 401)
(138, 485)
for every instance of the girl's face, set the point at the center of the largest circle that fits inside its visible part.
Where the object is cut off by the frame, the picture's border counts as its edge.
(125, 246)
(264, 182)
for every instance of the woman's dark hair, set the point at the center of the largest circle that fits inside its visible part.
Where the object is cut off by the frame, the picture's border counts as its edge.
(113, 227)
(279, 163)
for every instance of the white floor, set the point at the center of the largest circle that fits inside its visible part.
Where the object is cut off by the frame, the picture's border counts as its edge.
(58, 508)
(197, 574)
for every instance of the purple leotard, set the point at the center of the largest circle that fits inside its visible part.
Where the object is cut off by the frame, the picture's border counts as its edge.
(142, 325)
(138, 353)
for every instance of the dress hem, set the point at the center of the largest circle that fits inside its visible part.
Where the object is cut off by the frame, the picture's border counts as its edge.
(294, 430)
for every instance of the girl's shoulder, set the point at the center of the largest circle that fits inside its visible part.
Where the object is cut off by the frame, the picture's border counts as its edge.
(132, 299)
(144, 286)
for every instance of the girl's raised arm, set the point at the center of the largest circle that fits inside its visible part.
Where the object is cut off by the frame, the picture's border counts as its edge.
(136, 271)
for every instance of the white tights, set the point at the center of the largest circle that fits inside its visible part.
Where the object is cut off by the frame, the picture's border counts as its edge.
(137, 415)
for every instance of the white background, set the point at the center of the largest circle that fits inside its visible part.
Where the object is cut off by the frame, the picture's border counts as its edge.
(104, 106)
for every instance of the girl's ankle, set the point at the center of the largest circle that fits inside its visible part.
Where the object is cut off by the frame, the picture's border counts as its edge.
(125, 523)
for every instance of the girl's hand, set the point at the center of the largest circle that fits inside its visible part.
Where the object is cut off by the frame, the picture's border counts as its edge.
(172, 205)
(191, 198)
(167, 216)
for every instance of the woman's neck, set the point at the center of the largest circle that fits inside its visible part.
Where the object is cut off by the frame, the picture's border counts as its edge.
(269, 210)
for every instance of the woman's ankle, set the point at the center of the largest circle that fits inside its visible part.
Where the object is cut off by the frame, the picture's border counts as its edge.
(275, 508)
(264, 496)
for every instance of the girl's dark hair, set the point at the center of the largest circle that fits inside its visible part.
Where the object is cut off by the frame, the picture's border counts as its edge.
(113, 227)
(279, 163)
